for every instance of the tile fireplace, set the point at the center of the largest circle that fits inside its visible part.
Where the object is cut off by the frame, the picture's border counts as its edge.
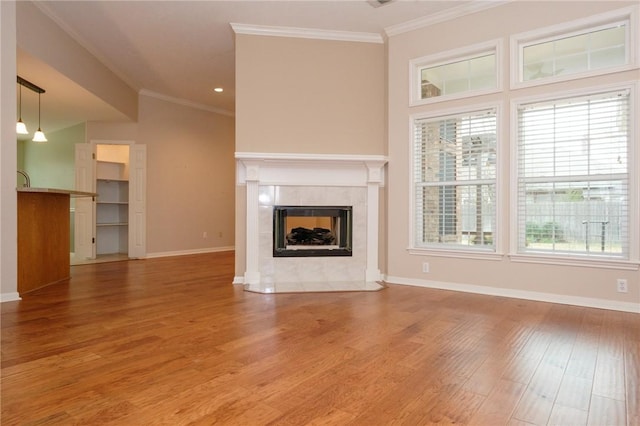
(311, 221)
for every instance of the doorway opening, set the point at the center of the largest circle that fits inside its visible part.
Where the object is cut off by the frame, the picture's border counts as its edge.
(111, 226)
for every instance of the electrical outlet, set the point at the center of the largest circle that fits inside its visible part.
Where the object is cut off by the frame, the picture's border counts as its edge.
(425, 267)
(205, 235)
(622, 285)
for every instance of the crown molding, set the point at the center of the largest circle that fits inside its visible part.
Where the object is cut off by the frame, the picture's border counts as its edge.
(445, 15)
(184, 102)
(311, 33)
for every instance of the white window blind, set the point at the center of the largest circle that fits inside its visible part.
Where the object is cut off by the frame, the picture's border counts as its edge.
(573, 177)
(454, 181)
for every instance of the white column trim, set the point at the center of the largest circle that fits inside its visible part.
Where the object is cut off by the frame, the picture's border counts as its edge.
(252, 273)
(372, 272)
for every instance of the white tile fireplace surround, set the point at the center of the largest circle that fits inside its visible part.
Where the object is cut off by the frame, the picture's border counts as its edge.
(273, 179)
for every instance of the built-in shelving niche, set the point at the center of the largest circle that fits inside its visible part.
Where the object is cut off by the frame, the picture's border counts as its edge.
(112, 203)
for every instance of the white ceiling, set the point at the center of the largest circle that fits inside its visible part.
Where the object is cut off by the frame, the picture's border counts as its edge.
(183, 49)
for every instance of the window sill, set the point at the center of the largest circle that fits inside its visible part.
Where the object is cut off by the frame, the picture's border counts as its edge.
(517, 84)
(626, 265)
(460, 254)
(454, 96)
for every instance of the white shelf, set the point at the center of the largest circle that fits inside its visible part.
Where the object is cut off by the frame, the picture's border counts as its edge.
(112, 191)
(112, 207)
(111, 238)
(110, 170)
(111, 180)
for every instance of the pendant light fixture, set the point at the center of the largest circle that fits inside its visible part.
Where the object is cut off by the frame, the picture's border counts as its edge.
(39, 134)
(21, 128)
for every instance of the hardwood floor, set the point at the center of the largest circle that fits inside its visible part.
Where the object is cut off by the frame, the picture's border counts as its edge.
(170, 341)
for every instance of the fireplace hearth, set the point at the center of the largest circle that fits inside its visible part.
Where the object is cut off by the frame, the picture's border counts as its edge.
(310, 231)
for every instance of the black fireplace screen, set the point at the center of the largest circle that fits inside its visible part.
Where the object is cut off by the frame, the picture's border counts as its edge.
(305, 231)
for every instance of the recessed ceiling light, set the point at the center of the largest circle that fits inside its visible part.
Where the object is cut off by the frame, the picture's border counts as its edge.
(218, 89)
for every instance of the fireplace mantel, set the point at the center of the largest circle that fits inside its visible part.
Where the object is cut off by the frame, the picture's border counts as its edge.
(310, 169)
(322, 177)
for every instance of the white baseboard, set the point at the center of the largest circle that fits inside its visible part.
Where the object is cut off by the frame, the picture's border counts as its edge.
(9, 297)
(519, 294)
(238, 280)
(187, 252)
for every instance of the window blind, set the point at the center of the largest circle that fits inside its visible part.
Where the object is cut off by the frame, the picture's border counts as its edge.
(454, 181)
(573, 177)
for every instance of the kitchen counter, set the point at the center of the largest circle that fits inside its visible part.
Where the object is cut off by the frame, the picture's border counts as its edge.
(44, 237)
(70, 192)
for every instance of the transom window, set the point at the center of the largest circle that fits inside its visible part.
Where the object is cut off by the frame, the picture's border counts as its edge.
(454, 181)
(573, 176)
(592, 50)
(583, 48)
(462, 76)
(466, 72)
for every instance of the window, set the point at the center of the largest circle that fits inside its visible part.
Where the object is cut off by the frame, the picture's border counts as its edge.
(593, 50)
(455, 77)
(589, 47)
(464, 72)
(573, 176)
(454, 181)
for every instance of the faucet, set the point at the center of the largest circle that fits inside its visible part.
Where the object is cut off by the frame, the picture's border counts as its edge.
(27, 183)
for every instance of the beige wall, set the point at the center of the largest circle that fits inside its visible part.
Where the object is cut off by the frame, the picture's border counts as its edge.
(296, 95)
(190, 176)
(105, 131)
(8, 154)
(496, 23)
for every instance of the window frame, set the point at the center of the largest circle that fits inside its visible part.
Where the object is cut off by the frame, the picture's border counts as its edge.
(578, 259)
(416, 66)
(588, 25)
(467, 252)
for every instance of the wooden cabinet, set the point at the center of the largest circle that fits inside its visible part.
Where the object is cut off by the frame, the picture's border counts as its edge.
(112, 208)
(43, 236)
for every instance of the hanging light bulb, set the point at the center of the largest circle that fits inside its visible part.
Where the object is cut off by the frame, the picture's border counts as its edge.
(21, 128)
(39, 135)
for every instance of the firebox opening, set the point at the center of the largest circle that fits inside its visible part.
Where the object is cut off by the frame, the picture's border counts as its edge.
(306, 231)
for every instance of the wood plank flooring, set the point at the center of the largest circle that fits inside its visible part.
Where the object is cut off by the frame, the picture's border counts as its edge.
(171, 342)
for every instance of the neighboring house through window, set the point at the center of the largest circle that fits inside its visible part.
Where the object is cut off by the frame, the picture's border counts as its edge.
(454, 185)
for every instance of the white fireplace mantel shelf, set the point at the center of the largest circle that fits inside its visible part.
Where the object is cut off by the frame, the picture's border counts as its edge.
(320, 173)
(310, 169)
